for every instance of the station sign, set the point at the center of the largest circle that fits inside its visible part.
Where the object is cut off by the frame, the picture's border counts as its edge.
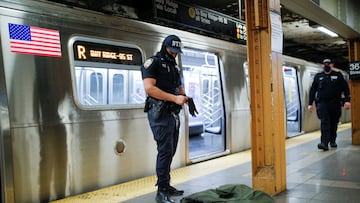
(354, 70)
(106, 53)
(201, 19)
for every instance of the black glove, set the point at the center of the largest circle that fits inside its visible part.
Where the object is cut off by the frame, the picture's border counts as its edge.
(192, 107)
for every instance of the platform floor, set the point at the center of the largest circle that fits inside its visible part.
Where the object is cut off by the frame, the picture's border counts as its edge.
(313, 175)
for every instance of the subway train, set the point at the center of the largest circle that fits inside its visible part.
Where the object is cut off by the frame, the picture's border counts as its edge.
(72, 98)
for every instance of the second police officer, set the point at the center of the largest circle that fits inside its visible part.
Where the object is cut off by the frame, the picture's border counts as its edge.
(326, 90)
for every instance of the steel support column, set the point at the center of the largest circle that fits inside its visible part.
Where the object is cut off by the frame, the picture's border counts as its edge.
(267, 99)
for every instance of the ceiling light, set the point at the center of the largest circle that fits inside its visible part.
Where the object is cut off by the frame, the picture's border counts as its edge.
(329, 32)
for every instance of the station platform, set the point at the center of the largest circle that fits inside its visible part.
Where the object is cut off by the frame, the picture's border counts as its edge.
(313, 175)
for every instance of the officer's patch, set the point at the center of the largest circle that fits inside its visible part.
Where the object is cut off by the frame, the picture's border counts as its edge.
(148, 63)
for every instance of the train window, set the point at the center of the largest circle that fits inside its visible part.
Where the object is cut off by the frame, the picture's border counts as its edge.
(246, 71)
(118, 84)
(205, 85)
(96, 87)
(106, 73)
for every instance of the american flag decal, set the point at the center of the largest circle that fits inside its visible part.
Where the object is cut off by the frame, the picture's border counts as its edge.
(34, 40)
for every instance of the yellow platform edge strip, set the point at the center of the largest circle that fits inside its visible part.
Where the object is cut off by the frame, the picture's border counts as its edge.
(142, 186)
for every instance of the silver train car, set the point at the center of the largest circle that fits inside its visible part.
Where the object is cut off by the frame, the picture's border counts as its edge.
(71, 100)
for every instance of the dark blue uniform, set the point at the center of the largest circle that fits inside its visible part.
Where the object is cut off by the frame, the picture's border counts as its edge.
(161, 78)
(165, 128)
(326, 90)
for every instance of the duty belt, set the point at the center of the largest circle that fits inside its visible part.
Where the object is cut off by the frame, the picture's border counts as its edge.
(165, 106)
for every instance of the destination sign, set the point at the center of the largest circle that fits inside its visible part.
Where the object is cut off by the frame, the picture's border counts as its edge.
(354, 70)
(105, 53)
(202, 19)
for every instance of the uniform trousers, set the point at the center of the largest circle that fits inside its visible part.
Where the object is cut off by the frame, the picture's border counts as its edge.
(329, 114)
(166, 134)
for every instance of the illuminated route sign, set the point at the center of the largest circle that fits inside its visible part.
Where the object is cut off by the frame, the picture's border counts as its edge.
(105, 53)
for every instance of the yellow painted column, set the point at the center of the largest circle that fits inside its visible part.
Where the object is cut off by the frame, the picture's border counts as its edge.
(354, 55)
(267, 99)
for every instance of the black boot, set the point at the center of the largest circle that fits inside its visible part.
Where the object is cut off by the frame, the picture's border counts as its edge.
(323, 146)
(163, 196)
(175, 192)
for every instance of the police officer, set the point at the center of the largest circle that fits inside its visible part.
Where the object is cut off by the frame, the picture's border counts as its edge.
(162, 83)
(326, 90)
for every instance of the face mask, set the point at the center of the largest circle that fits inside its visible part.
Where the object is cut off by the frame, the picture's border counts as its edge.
(327, 68)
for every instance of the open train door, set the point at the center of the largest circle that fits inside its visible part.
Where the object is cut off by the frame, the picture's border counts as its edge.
(201, 73)
(292, 101)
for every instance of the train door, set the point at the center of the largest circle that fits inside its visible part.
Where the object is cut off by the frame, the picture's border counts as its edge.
(202, 83)
(292, 101)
